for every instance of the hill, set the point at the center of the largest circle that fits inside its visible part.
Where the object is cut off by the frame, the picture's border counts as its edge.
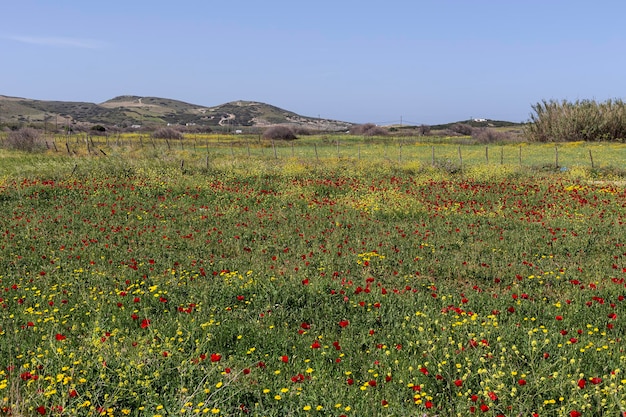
(126, 111)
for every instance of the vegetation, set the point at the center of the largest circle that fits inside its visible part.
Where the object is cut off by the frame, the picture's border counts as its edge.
(582, 120)
(167, 133)
(25, 139)
(369, 129)
(279, 132)
(300, 286)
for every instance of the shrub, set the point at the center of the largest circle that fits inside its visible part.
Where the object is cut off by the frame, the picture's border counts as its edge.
(369, 129)
(167, 133)
(26, 139)
(487, 135)
(462, 129)
(582, 120)
(424, 130)
(279, 132)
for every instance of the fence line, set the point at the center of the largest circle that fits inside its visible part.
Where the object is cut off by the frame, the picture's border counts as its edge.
(405, 151)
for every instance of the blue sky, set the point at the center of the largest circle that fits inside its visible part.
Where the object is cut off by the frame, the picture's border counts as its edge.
(360, 61)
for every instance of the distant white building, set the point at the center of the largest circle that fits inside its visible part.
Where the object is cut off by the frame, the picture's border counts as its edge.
(480, 120)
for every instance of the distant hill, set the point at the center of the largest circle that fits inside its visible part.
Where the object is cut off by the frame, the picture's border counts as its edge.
(126, 111)
(476, 123)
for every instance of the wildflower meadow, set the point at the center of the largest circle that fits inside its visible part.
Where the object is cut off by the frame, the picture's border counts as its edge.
(310, 288)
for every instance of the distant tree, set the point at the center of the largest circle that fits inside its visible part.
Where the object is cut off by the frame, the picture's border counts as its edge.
(423, 130)
(369, 129)
(26, 139)
(279, 132)
(167, 133)
(462, 129)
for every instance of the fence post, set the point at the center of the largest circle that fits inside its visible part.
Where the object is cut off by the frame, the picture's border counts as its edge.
(460, 159)
(591, 157)
(502, 155)
(432, 158)
(487, 154)
(520, 156)
(556, 156)
(232, 150)
(316, 155)
(400, 156)
(338, 156)
(274, 147)
(292, 152)
(359, 157)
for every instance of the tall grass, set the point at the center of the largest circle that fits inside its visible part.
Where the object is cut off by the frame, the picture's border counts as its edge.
(582, 120)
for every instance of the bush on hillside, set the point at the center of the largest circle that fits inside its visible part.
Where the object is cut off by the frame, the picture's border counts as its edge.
(368, 129)
(167, 133)
(462, 129)
(279, 132)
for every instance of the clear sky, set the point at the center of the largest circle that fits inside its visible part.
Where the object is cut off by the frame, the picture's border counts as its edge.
(431, 61)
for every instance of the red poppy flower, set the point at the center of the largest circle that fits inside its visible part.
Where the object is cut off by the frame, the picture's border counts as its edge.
(60, 337)
(41, 410)
(145, 323)
(215, 357)
(595, 380)
(344, 323)
(316, 345)
(575, 413)
(581, 383)
(484, 408)
(428, 404)
(521, 382)
(284, 358)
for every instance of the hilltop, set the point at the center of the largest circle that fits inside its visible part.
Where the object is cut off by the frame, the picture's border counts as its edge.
(129, 110)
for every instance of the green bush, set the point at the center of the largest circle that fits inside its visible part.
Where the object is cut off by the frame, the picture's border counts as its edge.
(582, 120)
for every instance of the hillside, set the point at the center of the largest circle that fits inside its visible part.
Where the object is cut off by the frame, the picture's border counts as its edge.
(125, 111)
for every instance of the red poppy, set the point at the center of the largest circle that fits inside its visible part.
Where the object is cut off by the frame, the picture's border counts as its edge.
(575, 413)
(41, 410)
(60, 337)
(316, 345)
(458, 383)
(284, 358)
(344, 323)
(581, 383)
(215, 357)
(145, 323)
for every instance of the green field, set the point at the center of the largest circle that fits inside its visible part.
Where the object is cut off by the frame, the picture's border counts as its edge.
(332, 276)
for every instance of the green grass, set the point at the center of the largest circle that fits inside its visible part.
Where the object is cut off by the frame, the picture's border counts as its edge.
(130, 285)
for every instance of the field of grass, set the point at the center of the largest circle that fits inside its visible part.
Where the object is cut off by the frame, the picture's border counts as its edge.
(156, 282)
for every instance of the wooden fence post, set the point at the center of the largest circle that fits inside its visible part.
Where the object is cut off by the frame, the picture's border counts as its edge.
(432, 157)
(317, 158)
(556, 156)
(487, 154)
(591, 157)
(460, 158)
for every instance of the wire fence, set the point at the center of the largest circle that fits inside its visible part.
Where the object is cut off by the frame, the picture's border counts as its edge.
(453, 153)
